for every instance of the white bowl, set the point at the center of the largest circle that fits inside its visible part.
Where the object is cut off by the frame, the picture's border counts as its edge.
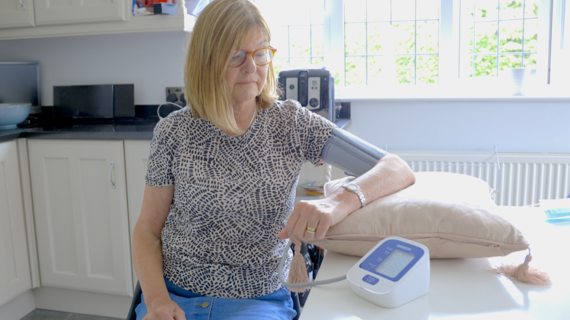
(13, 113)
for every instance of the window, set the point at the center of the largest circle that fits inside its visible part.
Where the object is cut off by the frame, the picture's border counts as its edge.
(296, 33)
(414, 42)
(497, 35)
(391, 41)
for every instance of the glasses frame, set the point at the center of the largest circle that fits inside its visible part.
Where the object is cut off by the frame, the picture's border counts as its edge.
(253, 57)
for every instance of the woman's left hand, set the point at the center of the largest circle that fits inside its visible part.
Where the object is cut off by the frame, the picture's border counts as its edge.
(316, 214)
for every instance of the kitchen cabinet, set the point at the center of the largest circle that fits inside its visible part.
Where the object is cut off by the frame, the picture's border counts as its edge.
(15, 276)
(80, 207)
(16, 14)
(136, 155)
(51, 12)
(61, 18)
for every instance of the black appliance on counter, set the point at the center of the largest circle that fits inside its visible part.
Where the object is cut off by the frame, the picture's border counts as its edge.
(93, 102)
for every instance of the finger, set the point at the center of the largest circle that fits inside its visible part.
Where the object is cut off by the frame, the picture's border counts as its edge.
(323, 227)
(296, 240)
(301, 225)
(289, 226)
(283, 234)
(179, 314)
(313, 223)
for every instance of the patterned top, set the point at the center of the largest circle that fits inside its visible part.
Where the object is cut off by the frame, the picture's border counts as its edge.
(232, 196)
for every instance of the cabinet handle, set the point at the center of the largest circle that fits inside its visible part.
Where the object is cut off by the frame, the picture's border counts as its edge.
(111, 174)
(23, 5)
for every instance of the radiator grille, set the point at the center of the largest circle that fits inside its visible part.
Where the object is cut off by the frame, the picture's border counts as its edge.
(519, 178)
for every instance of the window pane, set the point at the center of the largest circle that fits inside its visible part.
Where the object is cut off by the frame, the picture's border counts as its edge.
(486, 10)
(300, 41)
(531, 8)
(486, 37)
(510, 36)
(300, 63)
(317, 62)
(511, 9)
(317, 40)
(405, 69)
(467, 9)
(530, 35)
(297, 34)
(354, 38)
(404, 10)
(280, 41)
(510, 61)
(280, 64)
(375, 70)
(530, 61)
(428, 36)
(378, 36)
(354, 11)
(404, 35)
(485, 66)
(378, 10)
(427, 69)
(427, 9)
(355, 70)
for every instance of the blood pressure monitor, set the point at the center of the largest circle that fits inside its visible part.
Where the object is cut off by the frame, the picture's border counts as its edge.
(394, 272)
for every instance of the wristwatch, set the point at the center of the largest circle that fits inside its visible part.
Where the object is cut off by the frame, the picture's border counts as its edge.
(354, 188)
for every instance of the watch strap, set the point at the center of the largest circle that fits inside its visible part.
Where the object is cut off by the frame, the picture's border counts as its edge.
(358, 192)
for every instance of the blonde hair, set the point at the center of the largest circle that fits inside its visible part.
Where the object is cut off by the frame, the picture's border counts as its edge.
(222, 28)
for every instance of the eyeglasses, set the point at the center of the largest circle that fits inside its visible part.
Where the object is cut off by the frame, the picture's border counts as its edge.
(261, 57)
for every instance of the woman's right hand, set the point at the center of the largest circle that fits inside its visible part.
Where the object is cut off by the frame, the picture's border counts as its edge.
(164, 309)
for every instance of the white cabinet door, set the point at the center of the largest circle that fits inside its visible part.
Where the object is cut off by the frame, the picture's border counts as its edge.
(136, 154)
(14, 263)
(16, 14)
(52, 12)
(80, 205)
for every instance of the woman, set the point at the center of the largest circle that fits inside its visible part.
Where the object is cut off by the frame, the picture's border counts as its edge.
(221, 179)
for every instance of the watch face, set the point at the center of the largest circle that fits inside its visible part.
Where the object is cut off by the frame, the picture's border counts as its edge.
(352, 187)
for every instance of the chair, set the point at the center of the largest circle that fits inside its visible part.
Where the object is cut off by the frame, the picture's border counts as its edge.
(138, 294)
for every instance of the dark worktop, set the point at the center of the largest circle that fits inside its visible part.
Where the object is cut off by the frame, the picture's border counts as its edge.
(132, 129)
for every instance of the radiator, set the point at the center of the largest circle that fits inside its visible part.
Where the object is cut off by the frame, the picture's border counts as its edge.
(518, 178)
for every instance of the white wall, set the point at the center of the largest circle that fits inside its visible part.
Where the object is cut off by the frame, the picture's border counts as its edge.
(152, 61)
(511, 126)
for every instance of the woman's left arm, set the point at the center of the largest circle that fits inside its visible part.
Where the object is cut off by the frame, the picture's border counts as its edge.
(389, 175)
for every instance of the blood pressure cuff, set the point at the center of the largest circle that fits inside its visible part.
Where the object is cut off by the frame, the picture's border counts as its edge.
(350, 153)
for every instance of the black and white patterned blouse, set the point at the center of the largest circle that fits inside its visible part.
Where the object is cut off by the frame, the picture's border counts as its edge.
(232, 196)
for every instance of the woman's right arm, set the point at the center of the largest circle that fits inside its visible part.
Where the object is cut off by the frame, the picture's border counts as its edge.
(147, 254)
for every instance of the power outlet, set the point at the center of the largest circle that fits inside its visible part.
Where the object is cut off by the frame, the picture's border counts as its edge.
(176, 95)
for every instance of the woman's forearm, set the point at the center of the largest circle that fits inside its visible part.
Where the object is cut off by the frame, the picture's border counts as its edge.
(147, 259)
(391, 174)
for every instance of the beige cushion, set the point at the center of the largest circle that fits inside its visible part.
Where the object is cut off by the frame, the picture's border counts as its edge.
(452, 214)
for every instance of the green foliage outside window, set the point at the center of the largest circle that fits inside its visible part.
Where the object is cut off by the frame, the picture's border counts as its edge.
(492, 36)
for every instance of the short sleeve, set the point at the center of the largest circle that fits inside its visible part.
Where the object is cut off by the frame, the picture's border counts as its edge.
(313, 130)
(160, 159)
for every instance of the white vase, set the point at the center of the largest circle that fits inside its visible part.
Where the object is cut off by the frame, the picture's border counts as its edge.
(518, 76)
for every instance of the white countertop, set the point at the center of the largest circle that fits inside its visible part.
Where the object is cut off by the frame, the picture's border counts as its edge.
(461, 288)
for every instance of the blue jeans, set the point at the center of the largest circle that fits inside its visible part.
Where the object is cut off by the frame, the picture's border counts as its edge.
(277, 305)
